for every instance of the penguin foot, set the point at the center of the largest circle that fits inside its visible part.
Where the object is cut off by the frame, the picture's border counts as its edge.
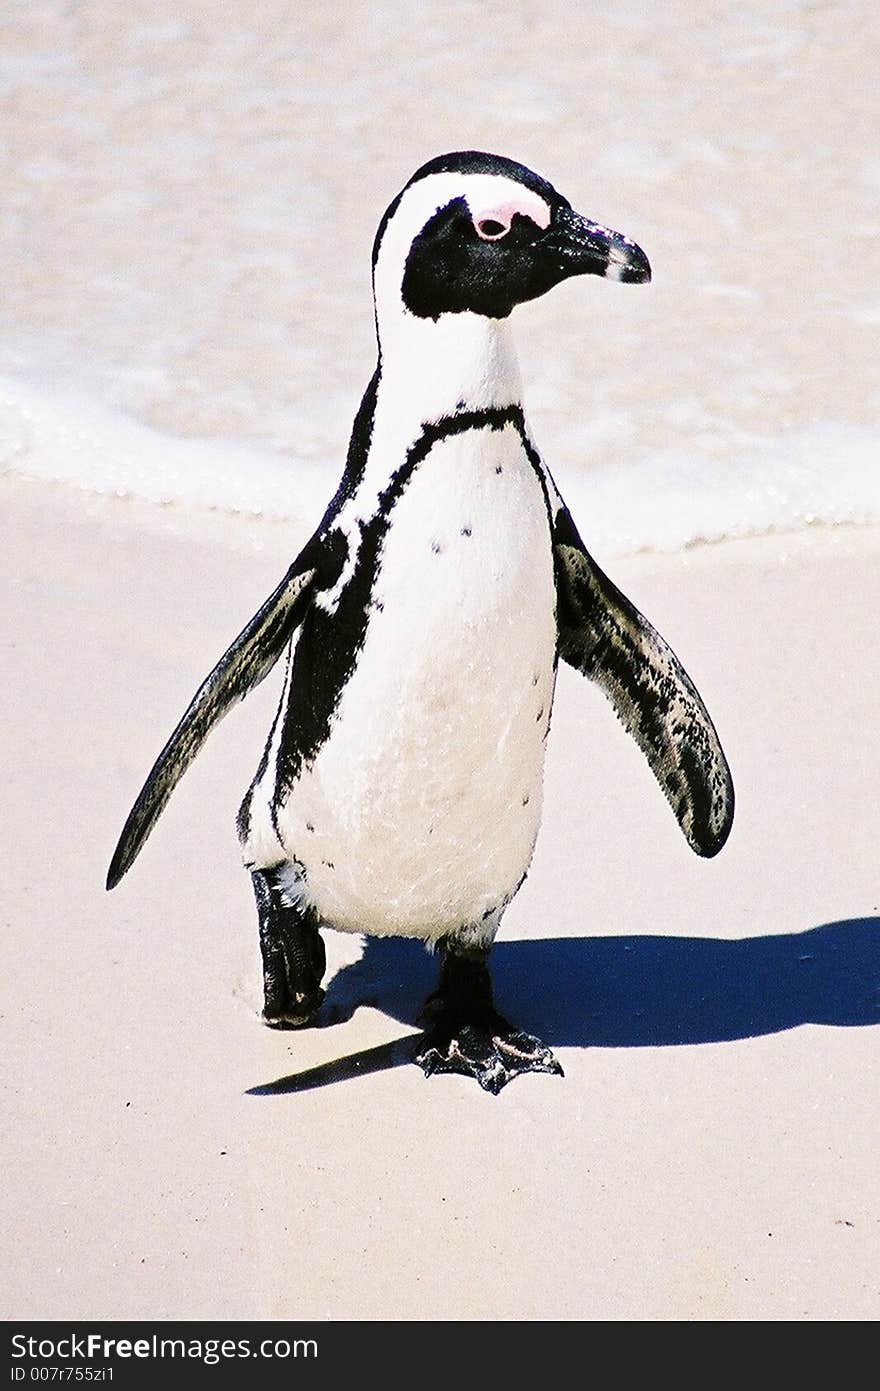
(293, 957)
(491, 1052)
(282, 1012)
(466, 1034)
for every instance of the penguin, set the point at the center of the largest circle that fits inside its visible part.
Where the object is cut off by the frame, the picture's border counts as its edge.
(399, 791)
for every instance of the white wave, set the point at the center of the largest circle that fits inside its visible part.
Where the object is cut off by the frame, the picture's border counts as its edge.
(822, 473)
(67, 437)
(825, 473)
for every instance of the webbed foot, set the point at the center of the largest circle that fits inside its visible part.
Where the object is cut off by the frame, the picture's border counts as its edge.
(492, 1055)
(466, 1034)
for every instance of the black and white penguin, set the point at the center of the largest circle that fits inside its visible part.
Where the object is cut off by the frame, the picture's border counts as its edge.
(399, 792)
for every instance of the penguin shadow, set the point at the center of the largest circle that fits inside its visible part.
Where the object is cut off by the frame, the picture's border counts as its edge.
(622, 992)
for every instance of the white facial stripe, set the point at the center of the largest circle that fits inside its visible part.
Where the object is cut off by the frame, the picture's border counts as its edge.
(487, 195)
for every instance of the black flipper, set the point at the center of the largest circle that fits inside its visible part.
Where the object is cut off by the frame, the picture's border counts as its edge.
(604, 636)
(242, 667)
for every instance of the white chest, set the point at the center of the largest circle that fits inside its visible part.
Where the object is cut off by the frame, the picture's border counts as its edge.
(421, 809)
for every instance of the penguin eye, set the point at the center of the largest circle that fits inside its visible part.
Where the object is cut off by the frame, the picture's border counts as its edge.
(490, 229)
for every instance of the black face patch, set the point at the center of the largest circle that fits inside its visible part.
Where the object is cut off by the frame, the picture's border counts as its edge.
(451, 269)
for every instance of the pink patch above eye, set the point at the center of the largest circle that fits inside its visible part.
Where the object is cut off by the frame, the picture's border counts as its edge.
(493, 222)
(491, 228)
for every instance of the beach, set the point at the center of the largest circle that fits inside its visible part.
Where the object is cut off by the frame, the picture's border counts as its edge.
(186, 330)
(711, 1150)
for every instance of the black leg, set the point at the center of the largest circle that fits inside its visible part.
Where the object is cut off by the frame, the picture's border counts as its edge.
(466, 1034)
(293, 956)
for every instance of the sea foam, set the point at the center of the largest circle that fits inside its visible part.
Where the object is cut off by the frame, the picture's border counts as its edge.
(825, 473)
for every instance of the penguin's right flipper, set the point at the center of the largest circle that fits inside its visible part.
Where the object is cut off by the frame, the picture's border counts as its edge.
(242, 667)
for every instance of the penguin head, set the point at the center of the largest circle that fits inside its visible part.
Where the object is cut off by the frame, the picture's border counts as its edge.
(477, 233)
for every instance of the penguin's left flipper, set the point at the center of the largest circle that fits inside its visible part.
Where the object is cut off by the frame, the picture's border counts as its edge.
(242, 667)
(604, 636)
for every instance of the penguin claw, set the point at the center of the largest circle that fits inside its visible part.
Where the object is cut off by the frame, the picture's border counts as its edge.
(284, 1014)
(492, 1058)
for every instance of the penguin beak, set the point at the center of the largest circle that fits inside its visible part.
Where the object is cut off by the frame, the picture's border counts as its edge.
(578, 246)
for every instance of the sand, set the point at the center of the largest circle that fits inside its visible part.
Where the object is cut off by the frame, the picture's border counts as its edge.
(711, 1152)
